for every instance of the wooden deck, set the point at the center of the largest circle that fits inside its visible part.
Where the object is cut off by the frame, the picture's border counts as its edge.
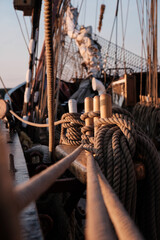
(29, 220)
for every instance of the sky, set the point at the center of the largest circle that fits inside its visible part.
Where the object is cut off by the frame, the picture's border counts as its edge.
(14, 56)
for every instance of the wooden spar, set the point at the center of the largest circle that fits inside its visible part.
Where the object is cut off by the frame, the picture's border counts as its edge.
(96, 107)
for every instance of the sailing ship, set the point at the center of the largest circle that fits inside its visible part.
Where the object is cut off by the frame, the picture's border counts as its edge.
(94, 170)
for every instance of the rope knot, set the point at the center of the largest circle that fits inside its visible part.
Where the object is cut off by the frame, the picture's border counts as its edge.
(71, 129)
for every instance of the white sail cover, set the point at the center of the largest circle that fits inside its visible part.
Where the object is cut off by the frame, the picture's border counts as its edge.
(89, 49)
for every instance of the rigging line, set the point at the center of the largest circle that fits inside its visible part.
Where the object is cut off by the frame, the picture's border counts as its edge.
(56, 52)
(26, 27)
(110, 38)
(95, 30)
(141, 27)
(22, 30)
(149, 22)
(123, 35)
(142, 49)
(112, 30)
(142, 22)
(85, 7)
(71, 39)
(127, 17)
(125, 28)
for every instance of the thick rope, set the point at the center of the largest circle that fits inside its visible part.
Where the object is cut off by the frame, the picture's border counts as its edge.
(115, 145)
(98, 224)
(40, 125)
(123, 225)
(31, 190)
(147, 116)
(50, 72)
(118, 145)
(71, 129)
(87, 141)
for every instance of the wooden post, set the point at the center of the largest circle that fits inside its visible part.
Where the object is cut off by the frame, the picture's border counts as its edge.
(88, 106)
(96, 107)
(105, 106)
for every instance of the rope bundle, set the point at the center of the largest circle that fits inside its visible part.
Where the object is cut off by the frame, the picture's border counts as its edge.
(71, 129)
(115, 145)
(147, 116)
(118, 145)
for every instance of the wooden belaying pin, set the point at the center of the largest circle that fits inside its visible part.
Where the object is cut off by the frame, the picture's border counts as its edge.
(96, 107)
(88, 106)
(105, 106)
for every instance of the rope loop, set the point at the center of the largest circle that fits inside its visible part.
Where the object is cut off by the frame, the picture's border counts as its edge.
(90, 115)
(71, 129)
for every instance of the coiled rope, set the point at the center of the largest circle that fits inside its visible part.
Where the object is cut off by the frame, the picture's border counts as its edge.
(147, 116)
(71, 129)
(118, 143)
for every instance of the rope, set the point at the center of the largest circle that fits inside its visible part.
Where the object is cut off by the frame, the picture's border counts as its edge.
(44, 125)
(30, 191)
(50, 71)
(118, 145)
(26, 27)
(87, 141)
(115, 146)
(124, 226)
(98, 224)
(22, 30)
(71, 129)
(147, 117)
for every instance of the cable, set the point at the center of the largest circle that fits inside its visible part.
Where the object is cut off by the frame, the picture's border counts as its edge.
(26, 27)
(85, 7)
(96, 16)
(22, 30)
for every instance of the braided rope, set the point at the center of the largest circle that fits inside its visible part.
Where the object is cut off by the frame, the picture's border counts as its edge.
(117, 143)
(147, 116)
(71, 129)
(87, 141)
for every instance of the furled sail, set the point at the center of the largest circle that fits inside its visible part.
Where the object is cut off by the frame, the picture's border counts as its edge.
(89, 49)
